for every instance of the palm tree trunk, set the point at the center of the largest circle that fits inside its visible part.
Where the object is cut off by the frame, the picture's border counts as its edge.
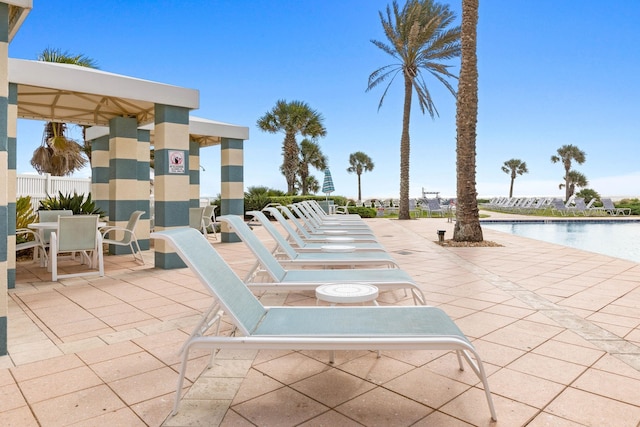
(290, 165)
(511, 188)
(405, 149)
(467, 226)
(359, 189)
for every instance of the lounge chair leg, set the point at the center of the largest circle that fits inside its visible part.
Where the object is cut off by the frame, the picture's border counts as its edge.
(332, 357)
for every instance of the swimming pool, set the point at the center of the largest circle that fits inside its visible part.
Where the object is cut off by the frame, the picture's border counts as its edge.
(620, 239)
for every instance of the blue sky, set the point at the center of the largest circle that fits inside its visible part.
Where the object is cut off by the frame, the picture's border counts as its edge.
(552, 72)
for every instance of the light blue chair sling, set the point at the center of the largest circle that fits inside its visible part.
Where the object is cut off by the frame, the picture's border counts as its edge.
(305, 328)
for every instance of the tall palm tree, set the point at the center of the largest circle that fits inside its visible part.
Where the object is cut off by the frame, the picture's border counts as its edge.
(310, 154)
(467, 228)
(59, 154)
(360, 163)
(292, 118)
(420, 38)
(567, 154)
(514, 167)
(575, 179)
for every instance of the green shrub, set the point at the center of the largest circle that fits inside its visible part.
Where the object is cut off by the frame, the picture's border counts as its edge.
(76, 203)
(363, 211)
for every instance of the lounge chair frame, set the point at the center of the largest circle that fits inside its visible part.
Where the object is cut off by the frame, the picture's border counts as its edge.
(308, 328)
(269, 274)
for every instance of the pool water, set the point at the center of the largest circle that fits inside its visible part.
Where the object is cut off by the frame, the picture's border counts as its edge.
(614, 238)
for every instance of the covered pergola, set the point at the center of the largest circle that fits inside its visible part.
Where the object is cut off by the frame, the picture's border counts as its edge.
(136, 114)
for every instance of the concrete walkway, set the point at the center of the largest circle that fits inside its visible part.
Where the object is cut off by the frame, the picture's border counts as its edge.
(557, 328)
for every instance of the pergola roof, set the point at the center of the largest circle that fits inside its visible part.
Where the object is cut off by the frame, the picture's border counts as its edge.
(86, 96)
(18, 11)
(205, 132)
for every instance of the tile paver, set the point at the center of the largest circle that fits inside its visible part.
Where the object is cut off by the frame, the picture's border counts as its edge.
(558, 329)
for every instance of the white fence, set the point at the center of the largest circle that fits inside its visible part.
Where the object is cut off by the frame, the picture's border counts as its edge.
(40, 186)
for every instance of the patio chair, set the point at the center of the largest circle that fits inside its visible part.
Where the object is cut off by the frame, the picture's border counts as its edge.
(270, 274)
(195, 218)
(341, 212)
(609, 207)
(558, 206)
(308, 328)
(287, 255)
(433, 207)
(315, 245)
(128, 235)
(29, 239)
(78, 233)
(311, 234)
(51, 216)
(209, 222)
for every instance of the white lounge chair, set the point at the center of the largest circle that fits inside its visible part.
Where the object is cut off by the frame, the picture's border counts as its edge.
(610, 208)
(316, 245)
(309, 233)
(308, 328)
(287, 255)
(270, 274)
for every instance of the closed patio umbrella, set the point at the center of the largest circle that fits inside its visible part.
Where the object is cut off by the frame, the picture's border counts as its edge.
(327, 185)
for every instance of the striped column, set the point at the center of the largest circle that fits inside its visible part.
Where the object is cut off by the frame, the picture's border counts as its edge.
(232, 181)
(4, 173)
(100, 172)
(12, 123)
(171, 142)
(194, 174)
(144, 187)
(123, 174)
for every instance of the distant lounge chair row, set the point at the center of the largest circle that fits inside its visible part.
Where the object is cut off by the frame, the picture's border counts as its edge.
(574, 206)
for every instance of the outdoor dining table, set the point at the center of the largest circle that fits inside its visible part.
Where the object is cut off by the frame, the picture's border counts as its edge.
(41, 227)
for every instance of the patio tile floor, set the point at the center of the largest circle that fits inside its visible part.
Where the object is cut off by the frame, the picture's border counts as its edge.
(557, 328)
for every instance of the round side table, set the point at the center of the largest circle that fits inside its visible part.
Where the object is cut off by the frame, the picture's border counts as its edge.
(347, 293)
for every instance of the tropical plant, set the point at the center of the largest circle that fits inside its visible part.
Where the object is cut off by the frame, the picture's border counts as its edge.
(24, 212)
(514, 167)
(360, 163)
(574, 179)
(567, 154)
(310, 155)
(421, 38)
(58, 153)
(257, 197)
(587, 194)
(292, 118)
(78, 203)
(467, 227)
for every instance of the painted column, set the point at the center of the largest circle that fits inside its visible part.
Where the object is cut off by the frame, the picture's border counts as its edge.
(144, 188)
(12, 125)
(123, 174)
(100, 172)
(4, 173)
(171, 161)
(232, 181)
(194, 174)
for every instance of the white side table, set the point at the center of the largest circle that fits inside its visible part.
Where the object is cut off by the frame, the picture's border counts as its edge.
(347, 293)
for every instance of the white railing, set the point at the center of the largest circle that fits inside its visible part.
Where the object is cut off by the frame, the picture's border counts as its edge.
(39, 186)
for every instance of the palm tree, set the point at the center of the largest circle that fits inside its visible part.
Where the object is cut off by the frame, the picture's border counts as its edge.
(467, 228)
(420, 39)
(360, 163)
(59, 154)
(574, 179)
(292, 118)
(567, 154)
(514, 167)
(310, 154)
